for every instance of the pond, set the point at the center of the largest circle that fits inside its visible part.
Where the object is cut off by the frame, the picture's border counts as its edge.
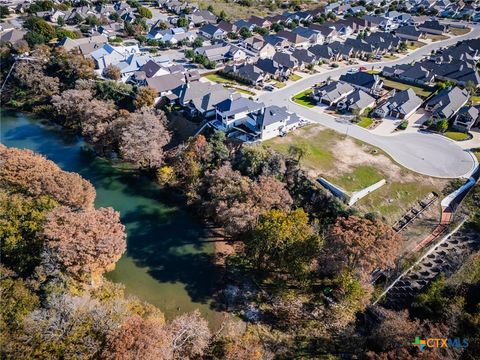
(169, 262)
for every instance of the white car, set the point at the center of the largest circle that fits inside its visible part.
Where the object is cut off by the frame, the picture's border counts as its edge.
(353, 71)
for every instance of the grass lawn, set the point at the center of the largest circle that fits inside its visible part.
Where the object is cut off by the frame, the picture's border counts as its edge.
(413, 45)
(458, 31)
(390, 57)
(354, 165)
(243, 91)
(219, 78)
(305, 98)
(456, 135)
(294, 77)
(437, 37)
(279, 84)
(476, 152)
(400, 86)
(373, 72)
(365, 122)
(361, 177)
(475, 99)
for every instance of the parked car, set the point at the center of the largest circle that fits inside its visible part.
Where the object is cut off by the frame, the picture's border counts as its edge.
(353, 70)
(268, 88)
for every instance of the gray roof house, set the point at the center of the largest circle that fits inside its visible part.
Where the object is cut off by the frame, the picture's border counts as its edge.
(200, 98)
(165, 84)
(467, 117)
(447, 103)
(401, 105)
(286, 60)
(232, 111)
(333, 92)
(408, 32)
(247, 73)
(433, 27)
(370, 83)
(211, 31)
(217, 52)
(357, 102)
(200, 17)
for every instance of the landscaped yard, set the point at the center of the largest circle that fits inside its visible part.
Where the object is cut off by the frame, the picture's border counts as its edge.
(475, 99)
(279, 84)
(458, 31)
(456, 135)
(476, 152)
(401, 86)
(354, 165)
(294, 77)
(219, 78)
(305, 98)
(365, 122)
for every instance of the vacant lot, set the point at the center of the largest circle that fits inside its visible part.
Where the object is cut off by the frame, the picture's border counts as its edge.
(401, 86)
(354, 165)
(458, 31)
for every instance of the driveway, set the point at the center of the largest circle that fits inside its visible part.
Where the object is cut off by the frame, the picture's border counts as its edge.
(426, 154)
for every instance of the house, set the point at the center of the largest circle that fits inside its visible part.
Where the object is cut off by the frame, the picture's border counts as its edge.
(241, 24)
(236, 54)
(413, 74)
(401, 105)
(323, 53)
(314, 36)
(304, 57)
(210, 31)
(356, 102)
(370, 83)
(432, 27)
(260, 22)
(332, 92)
(467, 117)
(152, 69)
(273, 121)
(95, 41)
(383, 42)
(329, 34)
(277, 42)
(360, 48)
(200, 98)
(408, 32)
(273, 68)
(447, 103)
(12, 36)
(172, 35)
(233, 111)
(375, 22)
(258, 45)
(287, 61)
(201, 17)
(295, 40)
(217, 52)
(227, 27)
(165, 84)
(247, 73)
(112, 55)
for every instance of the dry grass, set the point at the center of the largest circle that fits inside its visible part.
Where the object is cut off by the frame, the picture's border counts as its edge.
(354, 165)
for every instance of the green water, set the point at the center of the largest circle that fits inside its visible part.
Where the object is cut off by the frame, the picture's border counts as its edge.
(168, 262)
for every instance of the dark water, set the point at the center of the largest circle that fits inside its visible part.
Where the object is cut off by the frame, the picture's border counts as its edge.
(168, 262)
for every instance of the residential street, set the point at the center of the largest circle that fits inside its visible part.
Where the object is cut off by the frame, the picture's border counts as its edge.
(428, 154)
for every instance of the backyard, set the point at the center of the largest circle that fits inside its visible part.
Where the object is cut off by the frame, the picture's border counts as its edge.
(229, 83)
(354, 165)
(401, 86)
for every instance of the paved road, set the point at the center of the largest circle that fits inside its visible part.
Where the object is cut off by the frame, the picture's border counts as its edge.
(427, 154)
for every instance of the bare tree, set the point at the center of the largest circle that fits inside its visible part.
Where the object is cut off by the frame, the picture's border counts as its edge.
(190, 335)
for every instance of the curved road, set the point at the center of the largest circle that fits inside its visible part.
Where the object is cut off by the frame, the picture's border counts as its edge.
(427, 154)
